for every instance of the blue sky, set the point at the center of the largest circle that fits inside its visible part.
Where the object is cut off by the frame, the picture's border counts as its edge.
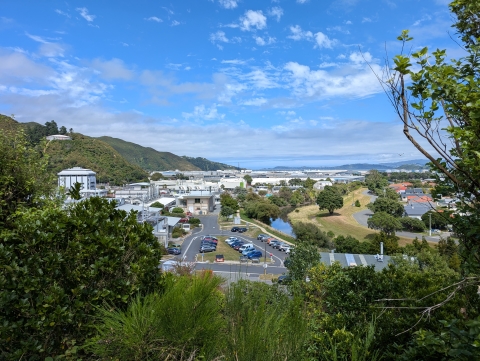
(260, 83)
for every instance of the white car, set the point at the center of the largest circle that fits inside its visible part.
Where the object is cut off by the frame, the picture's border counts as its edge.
(231, 240)
(290, 249)
(284, 247)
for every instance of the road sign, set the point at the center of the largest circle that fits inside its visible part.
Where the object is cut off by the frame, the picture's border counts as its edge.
(265, 265)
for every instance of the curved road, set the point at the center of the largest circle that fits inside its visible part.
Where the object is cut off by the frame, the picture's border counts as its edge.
(362, 217)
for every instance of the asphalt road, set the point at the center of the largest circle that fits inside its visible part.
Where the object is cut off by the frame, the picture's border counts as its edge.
(191, 246)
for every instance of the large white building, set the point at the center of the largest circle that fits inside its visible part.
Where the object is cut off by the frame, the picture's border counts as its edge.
(86, 177)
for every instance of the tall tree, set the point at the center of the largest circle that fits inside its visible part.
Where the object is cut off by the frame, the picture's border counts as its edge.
(384, 222)
(329, 199)
(51, 128)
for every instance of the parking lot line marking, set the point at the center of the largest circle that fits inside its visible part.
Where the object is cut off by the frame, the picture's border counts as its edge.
(332, 258)
(363, 260)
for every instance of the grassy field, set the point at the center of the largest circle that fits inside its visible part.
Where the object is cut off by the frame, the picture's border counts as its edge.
(229, 254)
(342, 221)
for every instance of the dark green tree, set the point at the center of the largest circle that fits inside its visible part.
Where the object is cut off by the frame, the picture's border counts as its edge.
(440, 220)
(387, 205)
(51, 128)
(375, 180)
(62, 130)
(304, 257)
(384, 222)
(226, 212)
(248, 179)
(226, 200)
(412, 224)
(329, 199)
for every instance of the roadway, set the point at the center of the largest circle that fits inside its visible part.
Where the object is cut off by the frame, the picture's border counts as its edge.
(210, 226)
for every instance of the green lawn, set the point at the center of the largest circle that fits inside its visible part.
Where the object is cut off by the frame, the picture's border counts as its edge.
(229, 253)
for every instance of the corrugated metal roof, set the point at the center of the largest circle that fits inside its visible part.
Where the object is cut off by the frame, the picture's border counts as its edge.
(358, 259)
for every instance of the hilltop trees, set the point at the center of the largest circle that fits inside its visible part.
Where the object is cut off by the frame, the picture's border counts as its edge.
(329, 199)
(375, 181)
(384, 222)
(387, 205)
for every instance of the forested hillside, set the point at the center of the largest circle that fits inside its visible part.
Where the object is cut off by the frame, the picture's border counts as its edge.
(206, 165)
(81, 151)
(148, 158)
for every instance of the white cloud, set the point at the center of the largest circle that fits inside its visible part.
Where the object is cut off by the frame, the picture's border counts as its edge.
(255, 102)
(253, 20)
(201, 112)
(276, 12)
(219, 36)
(366, 20)
(262, 42)
(112, 69)
(84, 14)
(228, 4)
(299, 34)
(323, 41)
(60, 12)
(48, 48)
(355, 81)
(175, 23)
(359, 58)
(348, 22)
(302, 1)
(154, 18)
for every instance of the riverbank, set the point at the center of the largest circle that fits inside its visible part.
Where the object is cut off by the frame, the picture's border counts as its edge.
(342, 222)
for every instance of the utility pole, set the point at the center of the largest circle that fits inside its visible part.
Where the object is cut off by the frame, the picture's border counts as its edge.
(265, 257)
(430, 216)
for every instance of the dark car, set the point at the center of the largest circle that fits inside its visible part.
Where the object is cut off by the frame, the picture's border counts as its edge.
(175, 251)
(237, 247)
(254, 254)
(208, 244)
(242, 229)
(237, 243)
(234, 229)
(278, 245)
(219, 258)
(261, 237)
(274, 243)
(205, 249)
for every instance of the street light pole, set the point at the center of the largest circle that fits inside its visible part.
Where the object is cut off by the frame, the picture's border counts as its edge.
(265, 257)
(430, 216)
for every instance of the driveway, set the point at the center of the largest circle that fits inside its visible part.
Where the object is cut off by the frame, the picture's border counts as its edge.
(362, 217)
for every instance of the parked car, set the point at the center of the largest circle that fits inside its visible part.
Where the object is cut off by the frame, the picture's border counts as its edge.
(270, 239)
(184, 220)
(232, 240)
(242, 229)
(219, 258)
(234, 229)
(289, 250)
(263, 237)
(208, 244)
(284, 247)
(237, 247)
(246, 247)
(205, 249)
(274, 243)
(172, 250)
(278, 245)
(254, 254)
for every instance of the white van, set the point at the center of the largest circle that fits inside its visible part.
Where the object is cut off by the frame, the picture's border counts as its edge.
(246, 247)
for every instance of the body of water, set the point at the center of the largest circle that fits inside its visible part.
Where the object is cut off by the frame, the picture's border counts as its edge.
(283, 226)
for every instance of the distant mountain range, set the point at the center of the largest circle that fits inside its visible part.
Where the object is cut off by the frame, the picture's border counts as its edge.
(114, 160)
(415, 164)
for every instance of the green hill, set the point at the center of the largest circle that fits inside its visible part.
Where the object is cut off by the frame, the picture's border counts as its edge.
(81, 151)
(206, 165)
(148, 158)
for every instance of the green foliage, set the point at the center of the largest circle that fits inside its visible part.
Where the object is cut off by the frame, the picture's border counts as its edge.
(194, 221)
(350, 244)
(248, 179)
(178, 232)
(207, 165)
(280, 202)
(440, 220)
(58, 265)
(310, 233)
(304, 257)
(157, 205)
(413, 224)
(148, 158)
(262, 210)
(177, 210)
(74, 191)
(329, 199)
(263, 323)
(51, 128)
(357, 203)
(297, 198)
(226, 200)
(384, 222)
(23, 179)
(182, 322)
(309, 183)
(387, 205)
(227, 212)
(375, 180)
(156, 176)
